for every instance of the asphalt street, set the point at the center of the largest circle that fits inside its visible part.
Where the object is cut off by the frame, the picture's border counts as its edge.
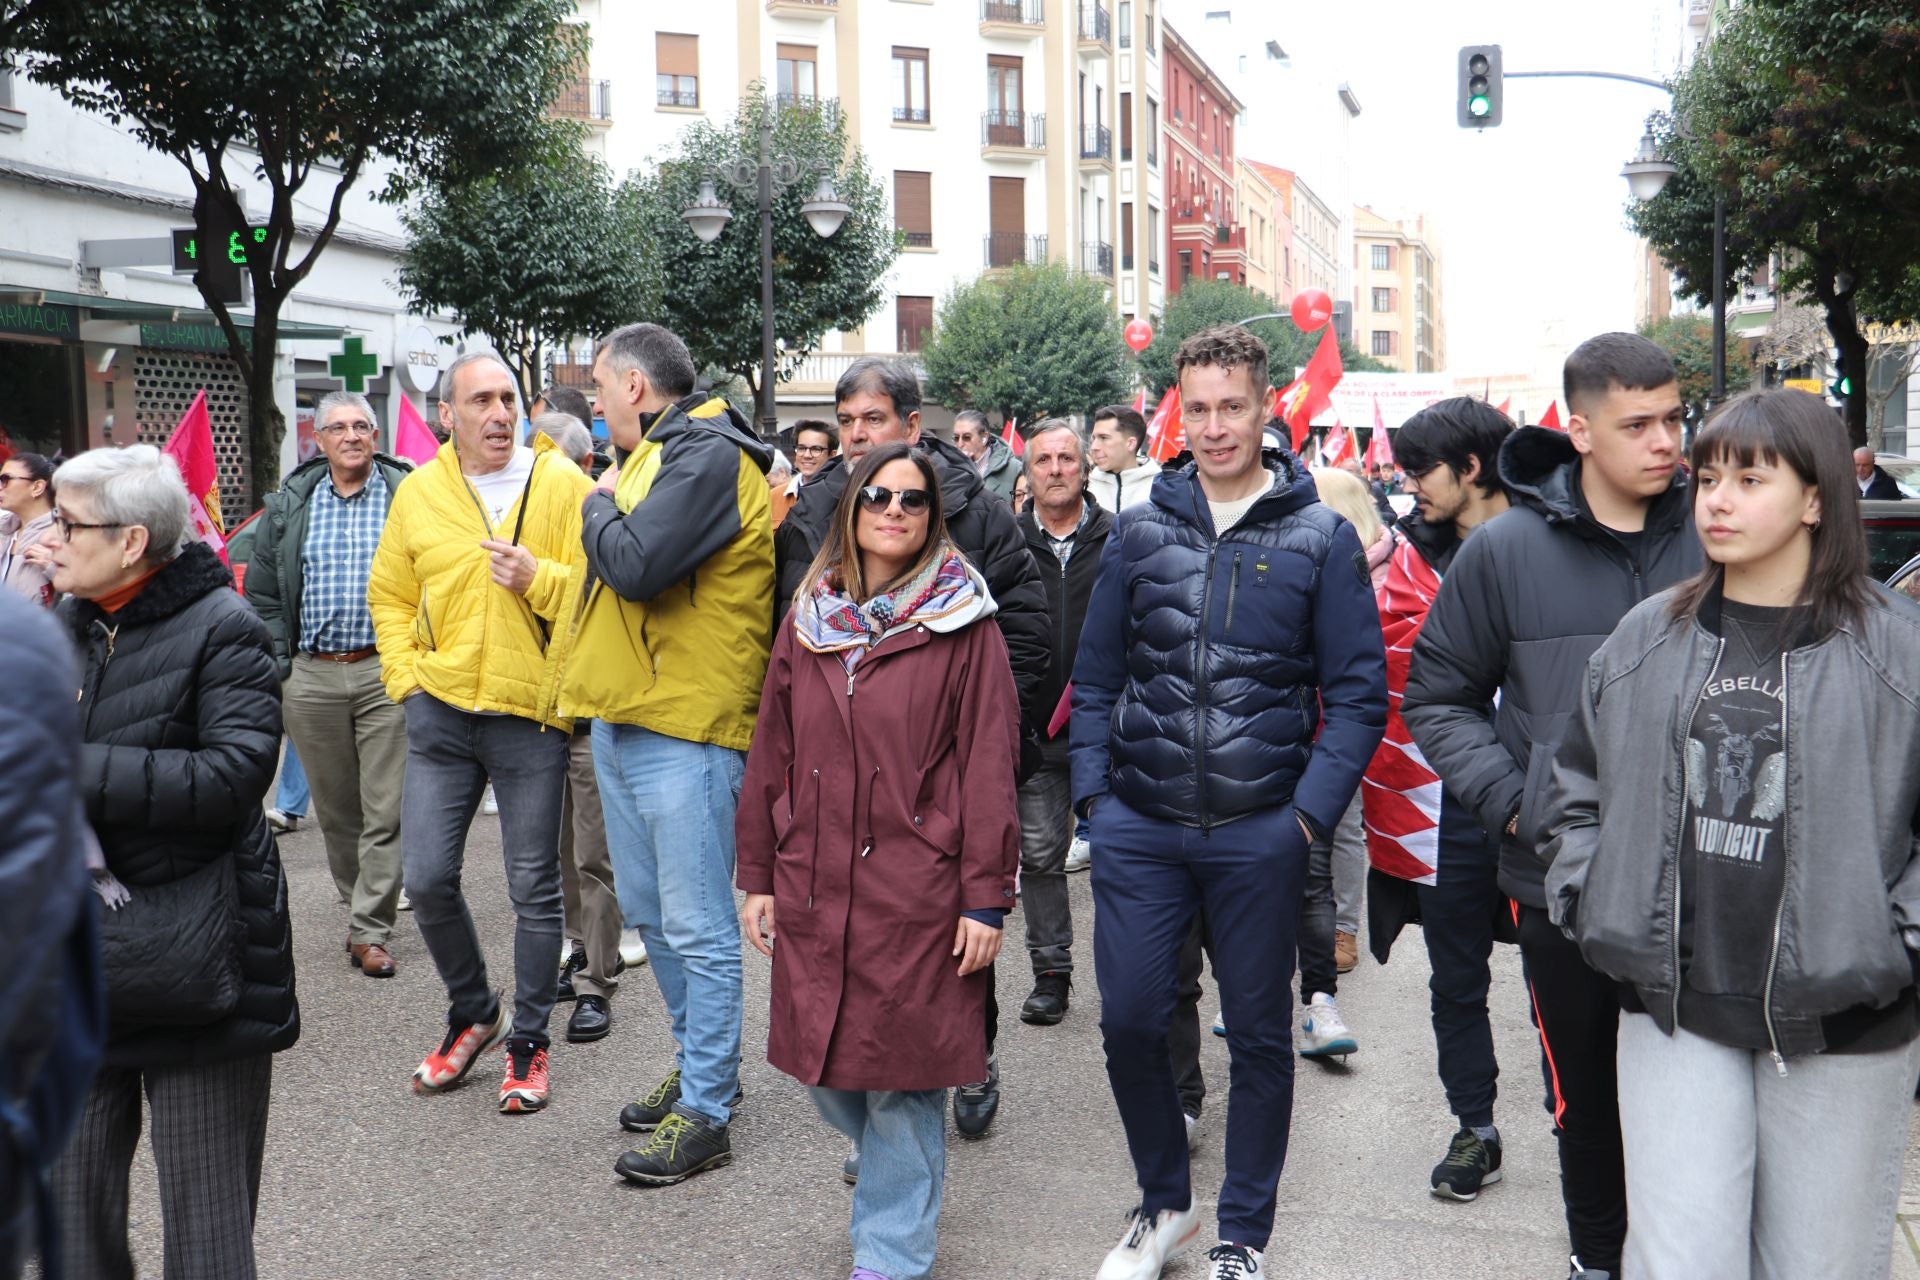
(363, 1178)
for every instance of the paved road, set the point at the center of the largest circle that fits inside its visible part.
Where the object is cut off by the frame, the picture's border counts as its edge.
(364, 1179)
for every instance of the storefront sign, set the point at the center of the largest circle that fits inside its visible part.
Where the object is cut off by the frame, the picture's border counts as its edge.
(190, 337)
(420, 354)
(51, 321)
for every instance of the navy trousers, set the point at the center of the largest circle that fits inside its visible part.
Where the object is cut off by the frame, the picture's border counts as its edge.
(1150, 881)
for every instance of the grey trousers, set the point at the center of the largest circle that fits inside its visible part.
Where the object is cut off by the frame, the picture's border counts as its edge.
(1349, 869)
(586, 872)
(1740, 1173)
(1046, 832)
(209, 1126)
(352, 739)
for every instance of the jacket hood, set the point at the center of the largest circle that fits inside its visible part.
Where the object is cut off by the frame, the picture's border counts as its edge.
(960, 479)
(1101, 480)
(824, 620)
(1178, 489)
(306, 477)
(999, 456)
(1436, 543)
(703, 412)
(1541, 469)
(194, 573)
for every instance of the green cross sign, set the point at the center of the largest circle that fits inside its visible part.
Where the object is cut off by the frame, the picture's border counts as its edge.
(353, 366)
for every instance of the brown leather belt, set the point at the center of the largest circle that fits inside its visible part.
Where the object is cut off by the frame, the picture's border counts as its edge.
(351, 655)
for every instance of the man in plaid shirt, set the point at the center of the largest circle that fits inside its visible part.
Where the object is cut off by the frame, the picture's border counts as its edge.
(308, 580)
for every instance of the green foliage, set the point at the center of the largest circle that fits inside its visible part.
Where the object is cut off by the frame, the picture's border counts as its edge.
(1028, 343)
(306, 94)
(1689, 340)
(1201, 304)
(528, 258)
(709, 294)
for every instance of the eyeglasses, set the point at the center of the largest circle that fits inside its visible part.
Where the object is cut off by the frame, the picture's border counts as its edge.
(361, 428)
(810, 448)
(6, 479)
(66, 527)
(878, 498)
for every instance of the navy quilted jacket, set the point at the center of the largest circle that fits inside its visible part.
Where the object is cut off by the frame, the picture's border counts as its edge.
(1222, 676)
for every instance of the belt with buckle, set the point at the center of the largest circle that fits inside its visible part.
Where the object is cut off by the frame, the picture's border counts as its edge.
(350, 655)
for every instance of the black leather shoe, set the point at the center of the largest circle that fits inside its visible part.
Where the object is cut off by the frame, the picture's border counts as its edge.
(1048, 1003)
(575, 963)
(590, 1021)
(974, 1105)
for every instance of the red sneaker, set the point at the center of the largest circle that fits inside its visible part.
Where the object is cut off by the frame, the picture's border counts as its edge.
(525, 1088)
(448, 1065)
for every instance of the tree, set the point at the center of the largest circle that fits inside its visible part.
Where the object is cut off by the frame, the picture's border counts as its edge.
(529, 259)
(305, 95)
(1804, 117)
(1688, 338)
(709, 294)
(1027, 343)
(1201, 304)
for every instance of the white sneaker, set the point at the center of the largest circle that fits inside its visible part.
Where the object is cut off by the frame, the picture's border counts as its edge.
(282, 821)
(406, 903)
(1234, 1262)
(1149, 1244)
(489, 805)
(632, 950)
(1323, 1034)
(1193, 1132)
(1079, 856)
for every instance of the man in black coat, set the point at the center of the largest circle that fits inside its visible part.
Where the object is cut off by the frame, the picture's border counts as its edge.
(1875, 484)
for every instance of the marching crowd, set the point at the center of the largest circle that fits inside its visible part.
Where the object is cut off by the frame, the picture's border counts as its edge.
(1636, 708)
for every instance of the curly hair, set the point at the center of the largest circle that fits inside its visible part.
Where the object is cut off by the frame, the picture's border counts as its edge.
(1230, 346)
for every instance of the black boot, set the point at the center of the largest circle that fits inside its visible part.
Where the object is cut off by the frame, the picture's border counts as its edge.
(1048, 1003)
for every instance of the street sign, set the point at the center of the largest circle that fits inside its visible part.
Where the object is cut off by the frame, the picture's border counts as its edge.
(353, 366)
(186, 248)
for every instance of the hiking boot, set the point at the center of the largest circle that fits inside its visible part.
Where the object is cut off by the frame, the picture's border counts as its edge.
(1149, 1243)
(1324, 1034)
(575, 963)
(974, 1105)
(1234, 1262)
(1471, 1163)
(1346, 951)
(642, 1116)
(1048, 1003)
(525, 1088)
(1079, 855)
(448, 1065)
(680, 1147)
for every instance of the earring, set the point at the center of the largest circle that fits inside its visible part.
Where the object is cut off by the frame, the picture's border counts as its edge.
(1813, 526)
(126, 564)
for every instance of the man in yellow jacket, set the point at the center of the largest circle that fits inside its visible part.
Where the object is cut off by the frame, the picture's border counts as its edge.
(674, 627)
(468, 590)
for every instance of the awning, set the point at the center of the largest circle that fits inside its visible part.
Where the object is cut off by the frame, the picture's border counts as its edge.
(98, 308)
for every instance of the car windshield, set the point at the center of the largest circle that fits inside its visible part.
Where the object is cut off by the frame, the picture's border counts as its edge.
(1890, 545)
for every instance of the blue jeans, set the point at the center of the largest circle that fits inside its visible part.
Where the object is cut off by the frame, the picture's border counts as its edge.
(293, 795)
(669, 806)
(902, 1138)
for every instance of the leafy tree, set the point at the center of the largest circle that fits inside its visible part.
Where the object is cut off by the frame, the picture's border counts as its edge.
(530, 258)
(307, 95)
(1688, 339)
(709, 294)
(1028, 343)
(1804, 117)
(1201, 304)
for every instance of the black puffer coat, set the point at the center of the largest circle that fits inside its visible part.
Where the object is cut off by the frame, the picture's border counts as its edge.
(180, 721)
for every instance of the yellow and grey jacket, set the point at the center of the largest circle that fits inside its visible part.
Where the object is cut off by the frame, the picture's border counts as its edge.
(674, 618)
(442, 624)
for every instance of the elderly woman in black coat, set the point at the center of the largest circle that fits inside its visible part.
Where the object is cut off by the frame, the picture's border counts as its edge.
(180, 716)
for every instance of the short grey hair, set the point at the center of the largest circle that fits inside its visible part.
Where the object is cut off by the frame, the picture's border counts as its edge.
(895, 379)
(1046, 425)
(656, 352)
(568, 433)
(472, 357)
(135, 485)
(352, 399)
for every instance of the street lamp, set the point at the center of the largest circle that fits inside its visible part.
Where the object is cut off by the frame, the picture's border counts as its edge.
(1646, 176)
(766, 174)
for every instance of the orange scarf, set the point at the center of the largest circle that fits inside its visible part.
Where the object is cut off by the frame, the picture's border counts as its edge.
(120, 597)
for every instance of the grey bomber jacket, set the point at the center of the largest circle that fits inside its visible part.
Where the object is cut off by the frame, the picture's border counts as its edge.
(1849, 914)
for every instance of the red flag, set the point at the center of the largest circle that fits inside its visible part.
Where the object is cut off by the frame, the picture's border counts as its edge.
(1551, 418)
(191, 446)
(411, 438)
(1140, 401)
(1379, 451)
(1338, 448)
(1011, 434)
(1166, 435)
(1506, 406)
(1311, 392)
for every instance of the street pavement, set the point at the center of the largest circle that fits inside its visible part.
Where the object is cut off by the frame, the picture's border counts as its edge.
(363, 1178)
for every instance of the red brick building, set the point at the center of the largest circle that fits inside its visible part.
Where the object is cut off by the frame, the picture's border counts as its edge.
(1200, 116)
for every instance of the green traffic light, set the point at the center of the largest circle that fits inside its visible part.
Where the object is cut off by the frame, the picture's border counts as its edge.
(1479, 107)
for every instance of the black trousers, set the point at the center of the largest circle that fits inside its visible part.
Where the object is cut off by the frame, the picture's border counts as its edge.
(1457, 919)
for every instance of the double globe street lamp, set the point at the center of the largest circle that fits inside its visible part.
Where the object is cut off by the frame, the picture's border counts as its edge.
(766, 175)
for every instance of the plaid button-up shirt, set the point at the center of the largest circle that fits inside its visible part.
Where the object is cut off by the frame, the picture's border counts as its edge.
(342, 534)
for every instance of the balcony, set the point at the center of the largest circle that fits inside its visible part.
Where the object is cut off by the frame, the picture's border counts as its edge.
(1012, 17)
(584, 99)
(1229, 239)
(1096, 258)
(1096, 25)
(911, 115)
(805, 102)
(1096, 143)
(803, 8)
(1009, 133)
(916, 239)
(672, 98)
(1011, 248)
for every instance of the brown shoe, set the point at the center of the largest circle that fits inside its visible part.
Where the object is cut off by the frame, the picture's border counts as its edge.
(1346, 951)
(371, 959)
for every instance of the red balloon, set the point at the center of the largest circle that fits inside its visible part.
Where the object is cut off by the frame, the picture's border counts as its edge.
(1312, 308)
(1139, 334)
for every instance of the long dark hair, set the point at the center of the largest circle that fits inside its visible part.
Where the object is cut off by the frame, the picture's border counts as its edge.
(1790, 428)
(839, 557)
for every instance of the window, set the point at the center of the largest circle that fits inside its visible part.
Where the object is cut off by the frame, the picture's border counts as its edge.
(1186, 265)
(1383, 300)
(1006, 119)
(916, 321)
(1153, 240)
(1383, 342)
(1123, 15)
(1126, 126)
(1150, 27)
(913, 208)
(1383, 257)
(1153, 133)
(1126, 235)
(910, 85)
(677, 69)
(798, 75)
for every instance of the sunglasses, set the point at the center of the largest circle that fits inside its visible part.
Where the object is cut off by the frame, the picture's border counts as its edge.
(877, 498)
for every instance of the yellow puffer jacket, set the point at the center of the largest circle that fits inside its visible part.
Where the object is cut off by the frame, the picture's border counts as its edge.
(675, 617)
(443, 625)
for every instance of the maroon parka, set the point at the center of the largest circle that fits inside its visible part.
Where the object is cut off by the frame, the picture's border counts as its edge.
(876, 809)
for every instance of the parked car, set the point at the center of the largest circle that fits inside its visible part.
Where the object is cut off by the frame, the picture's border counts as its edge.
(1893, 536)
(240, 548)
(1904, 470)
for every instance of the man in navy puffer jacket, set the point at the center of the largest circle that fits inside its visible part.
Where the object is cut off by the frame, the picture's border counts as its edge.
(1229, 690)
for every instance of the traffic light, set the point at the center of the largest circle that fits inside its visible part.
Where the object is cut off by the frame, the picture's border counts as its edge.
(1480, 86)
(1842, 385)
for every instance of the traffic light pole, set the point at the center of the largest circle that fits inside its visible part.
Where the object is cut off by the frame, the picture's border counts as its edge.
(1590, 75)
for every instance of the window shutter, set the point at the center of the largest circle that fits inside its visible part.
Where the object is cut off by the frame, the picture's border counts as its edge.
(913, 206)
(676, 55)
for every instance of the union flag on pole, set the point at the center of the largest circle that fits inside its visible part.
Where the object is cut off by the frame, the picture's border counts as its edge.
(1140, 402)
(1011, 434)
(411, 438)
(1166, 434)
(1379, 451)
(1551, 418)
(1311, 392)
(1338, 448)
(191, 446)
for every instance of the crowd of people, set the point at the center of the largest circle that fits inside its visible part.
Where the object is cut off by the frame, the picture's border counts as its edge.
(1634, 707)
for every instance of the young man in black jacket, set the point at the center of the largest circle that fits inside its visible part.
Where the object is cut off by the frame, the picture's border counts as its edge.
(1599, 522)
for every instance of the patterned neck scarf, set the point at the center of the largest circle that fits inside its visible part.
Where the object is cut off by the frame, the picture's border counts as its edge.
(832, 621)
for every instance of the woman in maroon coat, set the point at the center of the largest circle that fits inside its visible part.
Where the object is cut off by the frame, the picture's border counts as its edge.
(877, 827)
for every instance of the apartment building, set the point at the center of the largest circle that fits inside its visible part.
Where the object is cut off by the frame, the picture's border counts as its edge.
(1202, 116)
(1397, 301)
(1268, 214)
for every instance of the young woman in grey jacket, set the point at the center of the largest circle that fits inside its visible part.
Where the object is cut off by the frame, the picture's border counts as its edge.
(1749, 875)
